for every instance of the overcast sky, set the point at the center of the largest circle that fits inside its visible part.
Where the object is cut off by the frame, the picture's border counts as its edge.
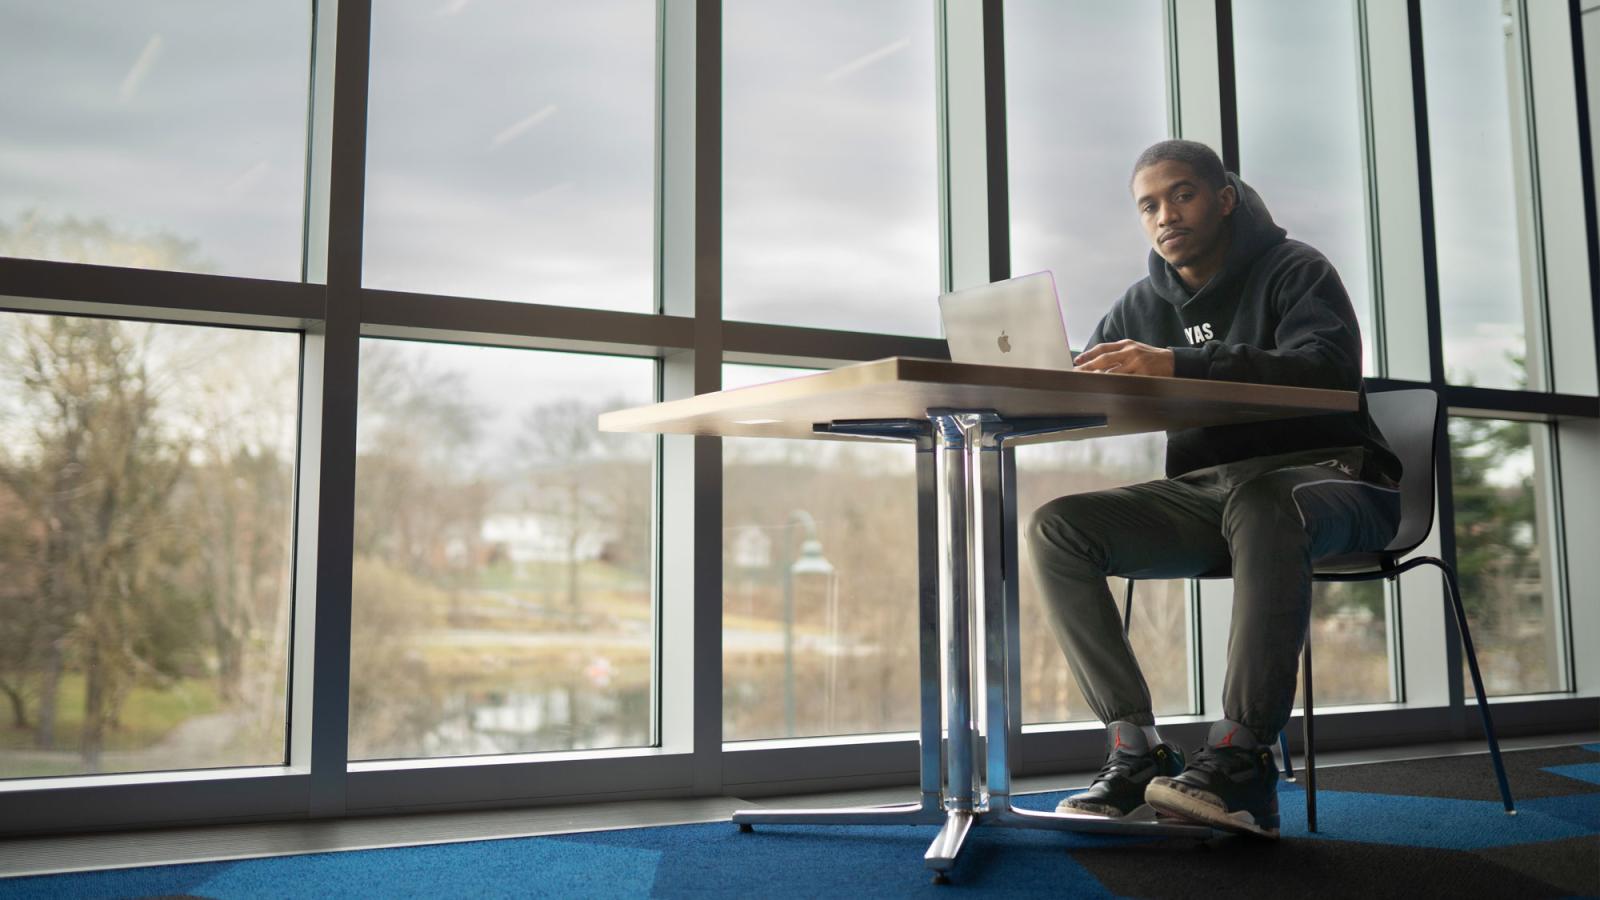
(511, 147)
(183, 116)
(1300, 142)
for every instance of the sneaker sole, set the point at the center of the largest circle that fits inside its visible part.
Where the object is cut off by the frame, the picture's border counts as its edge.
(1141, 813)
(1175, 802)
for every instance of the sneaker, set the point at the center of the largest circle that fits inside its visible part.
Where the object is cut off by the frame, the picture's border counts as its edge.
(1231, 784)
(1118, 791)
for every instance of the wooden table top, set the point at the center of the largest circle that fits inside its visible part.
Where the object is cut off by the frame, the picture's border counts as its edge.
(906, 388)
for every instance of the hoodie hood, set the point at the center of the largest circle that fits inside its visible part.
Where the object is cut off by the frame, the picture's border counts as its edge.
(1253, 234)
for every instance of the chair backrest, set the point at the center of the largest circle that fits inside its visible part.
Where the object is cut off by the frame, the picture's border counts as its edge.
(1409, 421)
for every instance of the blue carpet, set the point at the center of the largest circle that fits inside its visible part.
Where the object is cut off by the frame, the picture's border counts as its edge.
(1440, 823)
(1412, 844)
(1589, 772)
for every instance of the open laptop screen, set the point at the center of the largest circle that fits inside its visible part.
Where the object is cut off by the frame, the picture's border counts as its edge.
(1016, 322)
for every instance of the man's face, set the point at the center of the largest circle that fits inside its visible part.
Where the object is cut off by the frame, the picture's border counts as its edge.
(1182, 215)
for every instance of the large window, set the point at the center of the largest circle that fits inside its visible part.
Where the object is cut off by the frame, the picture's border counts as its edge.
(146, 496)
(1301, 132)
(379, 553)
(503, 554)
(155, 135)
(830, 196)
(1483, 195)
(819, 593)
(511, 151)
(1072, 147)
(1505, 552)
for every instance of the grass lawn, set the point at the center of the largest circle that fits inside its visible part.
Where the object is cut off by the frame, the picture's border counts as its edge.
(147, 715)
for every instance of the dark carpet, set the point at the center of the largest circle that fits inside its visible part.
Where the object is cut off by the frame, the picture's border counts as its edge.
(1423, 828)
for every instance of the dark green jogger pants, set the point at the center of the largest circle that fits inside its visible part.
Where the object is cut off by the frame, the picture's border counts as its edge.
(1266, 518)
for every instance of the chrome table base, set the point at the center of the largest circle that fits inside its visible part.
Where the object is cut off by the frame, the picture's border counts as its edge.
(967, 557)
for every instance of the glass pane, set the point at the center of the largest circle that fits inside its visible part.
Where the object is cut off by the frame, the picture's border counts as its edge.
(1300, 132)
(1085, 93)
(146, 530)
(819, 584)
(155, 135)
(1591, 52)
(1349, 645)
(1160, 632)
(1504, 556)
(1481, 192)
(503, 553)
(511, 151)
(830, 191)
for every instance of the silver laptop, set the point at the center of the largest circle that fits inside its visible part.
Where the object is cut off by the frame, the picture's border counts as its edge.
(1016, 322)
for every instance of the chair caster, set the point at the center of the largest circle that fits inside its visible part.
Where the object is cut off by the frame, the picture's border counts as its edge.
(1511, 812)
(941, 878)
(746, 828)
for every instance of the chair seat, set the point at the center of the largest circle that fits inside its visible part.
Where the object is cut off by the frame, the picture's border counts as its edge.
(1342, 564)
(1348, 563)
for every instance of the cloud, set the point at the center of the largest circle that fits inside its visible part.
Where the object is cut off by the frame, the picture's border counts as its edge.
(547, 192)
(862, 62)
(522, 126)
(247, 179)
(141, 68)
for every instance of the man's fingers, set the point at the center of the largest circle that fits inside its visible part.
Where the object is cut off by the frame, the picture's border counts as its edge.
(1089, 354)
(1106, 360)
(1099, 350)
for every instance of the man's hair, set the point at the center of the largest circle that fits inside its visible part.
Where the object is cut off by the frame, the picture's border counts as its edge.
(1197, 156)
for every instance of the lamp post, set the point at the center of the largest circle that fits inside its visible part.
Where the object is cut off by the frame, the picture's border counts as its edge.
(811, 564)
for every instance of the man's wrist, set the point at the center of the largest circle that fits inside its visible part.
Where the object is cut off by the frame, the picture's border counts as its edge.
(1188, 362)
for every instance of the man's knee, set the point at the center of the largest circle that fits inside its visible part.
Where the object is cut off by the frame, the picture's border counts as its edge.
(1054, 531)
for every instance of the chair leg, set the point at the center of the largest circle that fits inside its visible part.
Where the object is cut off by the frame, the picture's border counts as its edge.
(1310, 768)
(1127, 609)
(1283, 747)
(1454, 589)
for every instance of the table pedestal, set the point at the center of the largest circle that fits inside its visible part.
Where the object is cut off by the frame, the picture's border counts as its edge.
(966, 545)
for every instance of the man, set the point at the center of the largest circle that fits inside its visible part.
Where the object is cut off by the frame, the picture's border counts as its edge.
(1228, 298)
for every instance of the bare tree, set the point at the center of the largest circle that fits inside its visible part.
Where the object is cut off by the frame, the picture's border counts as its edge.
(96, 470)
(567, 458)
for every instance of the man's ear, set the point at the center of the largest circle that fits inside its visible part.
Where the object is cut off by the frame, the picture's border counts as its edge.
(1228, 198)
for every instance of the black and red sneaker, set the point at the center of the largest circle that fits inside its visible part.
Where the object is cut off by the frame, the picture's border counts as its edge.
(1118, 791)
(1231, 784)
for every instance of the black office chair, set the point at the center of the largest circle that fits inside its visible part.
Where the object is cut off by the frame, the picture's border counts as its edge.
(1409, 420)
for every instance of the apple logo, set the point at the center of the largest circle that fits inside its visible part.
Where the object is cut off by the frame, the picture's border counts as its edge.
(1005, 343)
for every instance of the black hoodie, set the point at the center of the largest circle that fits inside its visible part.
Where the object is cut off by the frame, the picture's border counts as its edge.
(1276, 313)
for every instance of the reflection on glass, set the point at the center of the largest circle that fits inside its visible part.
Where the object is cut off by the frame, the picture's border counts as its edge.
(511, 151)
(1085, 93)
(819, 585)
(830, 194)
(1482, 211)
(146, 496)
(1160, 630)
(503, 546)
(1503, 559)
(1300, 131)
(155, 135)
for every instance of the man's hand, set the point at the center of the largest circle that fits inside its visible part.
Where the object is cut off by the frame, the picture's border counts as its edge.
(1126, 358)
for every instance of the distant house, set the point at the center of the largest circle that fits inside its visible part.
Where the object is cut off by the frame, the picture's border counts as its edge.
(539, 536)
(532, 522)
